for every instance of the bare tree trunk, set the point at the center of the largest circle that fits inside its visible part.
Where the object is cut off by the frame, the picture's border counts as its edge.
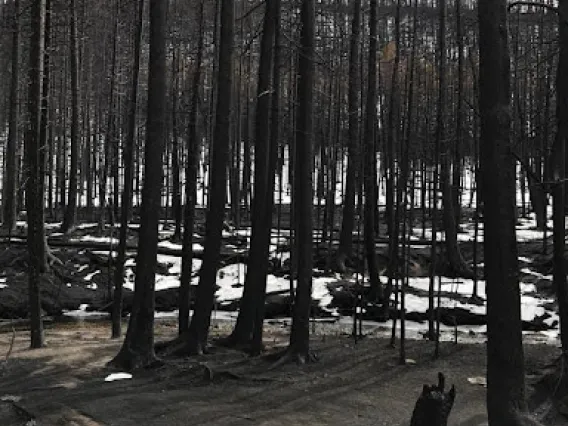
(109, 140)
(191, 184)
(559, 206)
(257, 266)
(34, 186)
(198, 332)
(456, 166)
(272, 165)
(369, 167)
(11, 168)
(176, 185)
(505, 359)
(70, 217)
(346, 236)
(128, 153)
(393, 200)
(138, 348)
(299, 348)
(456, 262)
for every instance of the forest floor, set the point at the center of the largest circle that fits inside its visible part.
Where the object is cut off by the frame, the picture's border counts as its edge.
(351, 384)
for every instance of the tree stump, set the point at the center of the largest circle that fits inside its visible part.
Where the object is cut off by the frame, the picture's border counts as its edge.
(434, 405)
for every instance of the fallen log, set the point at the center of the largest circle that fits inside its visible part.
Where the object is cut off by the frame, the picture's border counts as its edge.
(227, 256)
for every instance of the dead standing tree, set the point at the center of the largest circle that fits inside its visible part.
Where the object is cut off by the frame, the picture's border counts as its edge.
(138, 348)
(505, 357)
(195, 338)
(34, 166)
(433, 407)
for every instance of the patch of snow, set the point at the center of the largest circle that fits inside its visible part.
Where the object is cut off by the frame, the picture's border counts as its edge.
(118, 376)
(82, 313)
(90, 276)
(92, 286)
(528, 235)
(460, 286)
(166, 282)
(93, 239)
(87, 225)
(10, 398)
(536, 274)
(82, 268)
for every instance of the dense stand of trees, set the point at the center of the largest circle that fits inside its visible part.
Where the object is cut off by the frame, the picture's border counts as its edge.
(408, 111)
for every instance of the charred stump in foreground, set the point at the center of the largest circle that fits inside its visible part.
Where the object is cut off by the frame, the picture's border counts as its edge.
(433, 406)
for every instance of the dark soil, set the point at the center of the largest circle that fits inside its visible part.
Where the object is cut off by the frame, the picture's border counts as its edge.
(352, 384)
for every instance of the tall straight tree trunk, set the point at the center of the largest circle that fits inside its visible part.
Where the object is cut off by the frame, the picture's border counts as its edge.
(272, 165)
(257, 266)
(345, 249)
(34, 186)
(128, 154)
(559, 194)
(393, 210)
(46, 127)
(176, 184)
(191, 184)
(299, 348)
(505, 359)
(138, 348)
(70, 216)
(453, 253)
(369, 167)
(456, 169)
(198, 332)
(11, 167)
(105, 162)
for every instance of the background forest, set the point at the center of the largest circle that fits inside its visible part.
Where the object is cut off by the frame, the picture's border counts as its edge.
(353, 163)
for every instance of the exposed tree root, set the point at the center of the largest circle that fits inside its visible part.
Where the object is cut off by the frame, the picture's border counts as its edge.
(53, 260)
(183, 345)
(247, 347)
(129, 360)
(289, 356)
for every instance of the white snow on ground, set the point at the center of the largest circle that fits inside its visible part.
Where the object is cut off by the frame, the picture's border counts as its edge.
(3, 282)
(460, 286)
(198, 248)
(118, 376)
(82, 313)
(93, 239)
(90, 276)
(231, 278)
(163, 282)
(530, 306)
(87, 225)
(536, 274)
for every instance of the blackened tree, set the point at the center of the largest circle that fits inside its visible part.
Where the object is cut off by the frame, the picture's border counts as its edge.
(138, 348)
(505, 359)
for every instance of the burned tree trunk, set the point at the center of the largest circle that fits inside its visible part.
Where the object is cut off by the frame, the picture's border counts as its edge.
(434, 405)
